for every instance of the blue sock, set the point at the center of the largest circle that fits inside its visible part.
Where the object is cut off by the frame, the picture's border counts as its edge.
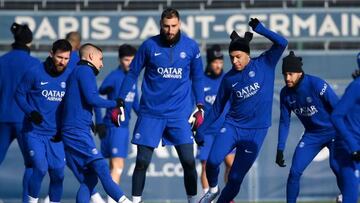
(35, 182)
(86, 186)
(56, 184)
(102, 170)
(25, 184)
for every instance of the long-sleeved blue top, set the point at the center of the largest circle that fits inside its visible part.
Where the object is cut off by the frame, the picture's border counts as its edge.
(250, 91)
(80, 98)
(171, 73)
(346, 115)
(312, 101)
(42, 92)
(113, 81)
(13, 66)
(211, 87)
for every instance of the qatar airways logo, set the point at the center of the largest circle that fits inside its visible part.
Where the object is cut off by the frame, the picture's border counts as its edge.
(210, 99)
(306, 111)
(248, 91)
(53, 95)
(170, 72)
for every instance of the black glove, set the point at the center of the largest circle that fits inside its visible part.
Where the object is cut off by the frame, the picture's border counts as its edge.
(100, 130)
(253, 23)
(356, 156)
(280, 158)
(56, 138)
(36, 117)
(120, 102)
(199, 139)
(355, 74)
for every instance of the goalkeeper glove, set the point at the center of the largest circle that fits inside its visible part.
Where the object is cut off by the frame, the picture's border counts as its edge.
(118, 113)
(195, 120)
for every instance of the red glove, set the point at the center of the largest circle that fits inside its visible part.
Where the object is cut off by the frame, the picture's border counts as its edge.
(197, 117)
(118, 113)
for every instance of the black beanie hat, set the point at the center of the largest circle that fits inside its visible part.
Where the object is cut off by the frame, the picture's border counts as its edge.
(292, 63)
(22, 33)
(240, 44)
(213, 53)
(126, 50)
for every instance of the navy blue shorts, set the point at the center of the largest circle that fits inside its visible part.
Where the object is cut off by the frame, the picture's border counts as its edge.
(116, 142)
(149, 131)
(44, 153)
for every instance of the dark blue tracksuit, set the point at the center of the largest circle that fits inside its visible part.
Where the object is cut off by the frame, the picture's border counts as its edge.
(13, 65)
(312, 101)
(250, 93)
(346, 119)
(42, 90)
(80, 149)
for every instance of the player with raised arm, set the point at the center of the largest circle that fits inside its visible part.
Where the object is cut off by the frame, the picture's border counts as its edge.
(249, 87)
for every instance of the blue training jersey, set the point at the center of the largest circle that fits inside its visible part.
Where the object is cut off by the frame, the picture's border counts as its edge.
(250, 91)
(346, 115)
(42, 92)
(312, 101)
(13, 66)
(80, 98)
(171, 74)
(114, 81)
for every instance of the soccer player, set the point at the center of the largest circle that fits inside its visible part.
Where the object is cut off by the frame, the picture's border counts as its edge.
(173, 72)
(115, 140)
(312, 100)
(249, 87)
(75, 40)
(39, 95)
(80, 99)
(13, 66)
(346, 119)
(213, 76)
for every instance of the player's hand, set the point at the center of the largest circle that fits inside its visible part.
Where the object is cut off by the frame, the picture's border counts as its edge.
(100, 130)
(356, 156)
(280, 158)
(356, 74)
(118, 113)
(197, 118)
(253, 23)
(57, 137)
(199, 139)
(36, 117)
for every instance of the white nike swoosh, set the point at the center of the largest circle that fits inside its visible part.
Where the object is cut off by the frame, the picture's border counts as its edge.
(247, 151)
(43, 83)
(157, 54)
(206, 89)
(291, 102)
(233, 85)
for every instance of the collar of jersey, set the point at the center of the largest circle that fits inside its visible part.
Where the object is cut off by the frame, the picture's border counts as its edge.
(92, 66)
(19, 46)
(50, 67)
